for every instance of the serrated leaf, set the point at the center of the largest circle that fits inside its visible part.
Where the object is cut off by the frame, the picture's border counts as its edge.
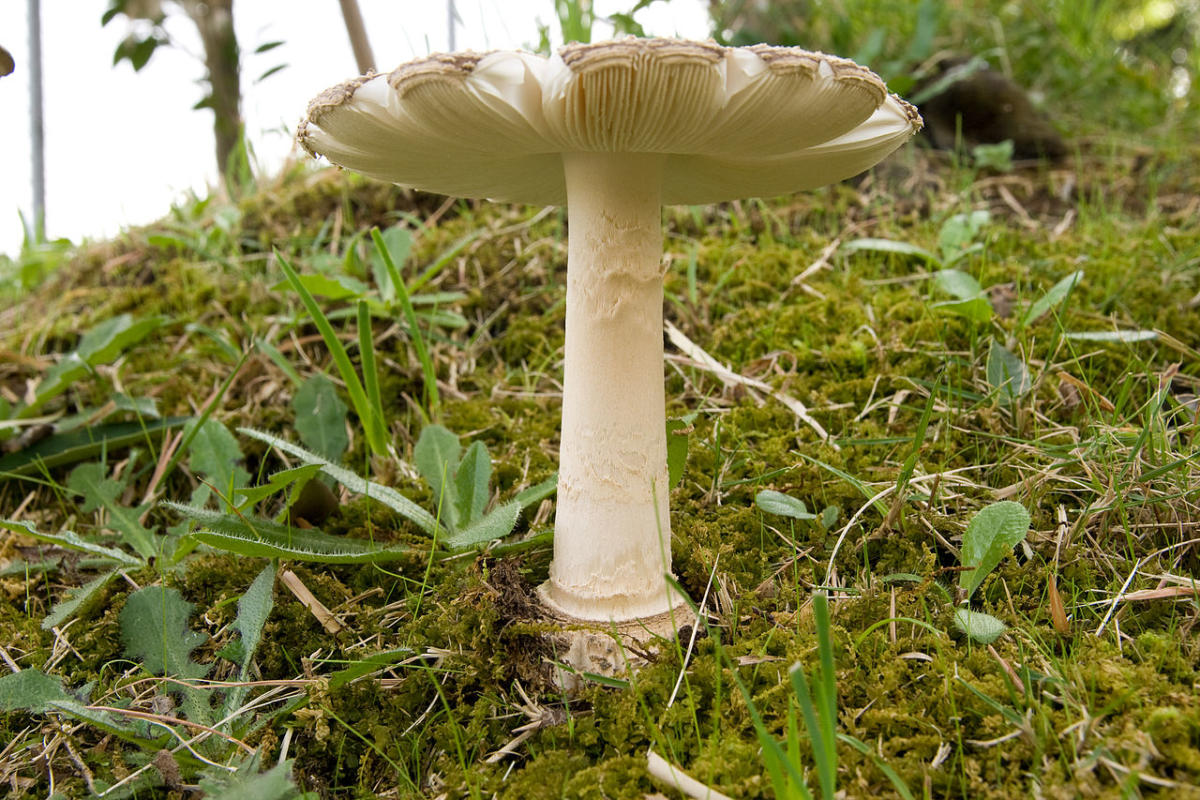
(30, 690)
(384, 494)
(977, 626)
(496, 525)
(436, 457)
(990, 536)
(263, 538)
(71, 541)
(1006, 373)
(321, 417)
(154, 630)
(471, 480)
(100, 492)
(677, 450)
(73, 599)
(782, 505)
(1052, 298)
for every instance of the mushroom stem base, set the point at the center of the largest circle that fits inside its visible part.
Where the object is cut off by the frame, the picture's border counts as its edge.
(611, 649)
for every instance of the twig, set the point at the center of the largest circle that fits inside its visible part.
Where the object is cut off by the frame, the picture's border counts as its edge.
(668, 773)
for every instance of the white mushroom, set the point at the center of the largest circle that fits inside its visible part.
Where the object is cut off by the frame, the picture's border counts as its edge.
(614, 130)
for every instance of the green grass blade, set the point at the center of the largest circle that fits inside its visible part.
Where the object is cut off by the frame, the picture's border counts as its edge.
(431, 391)
(358, 396)
(826, 771)
(366, 351)
(826, 695)
(897, 782)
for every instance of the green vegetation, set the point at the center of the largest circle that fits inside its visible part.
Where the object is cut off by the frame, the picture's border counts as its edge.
(979, 585)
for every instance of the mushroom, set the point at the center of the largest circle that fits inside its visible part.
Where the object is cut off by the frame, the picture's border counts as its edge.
(614, 130)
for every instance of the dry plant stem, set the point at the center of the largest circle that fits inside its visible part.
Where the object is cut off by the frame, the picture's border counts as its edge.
(612, 537)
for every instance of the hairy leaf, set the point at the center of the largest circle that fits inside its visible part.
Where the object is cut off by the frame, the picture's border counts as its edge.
(262, 538)
(71, 541)
(386, 495)
(30, 690)
(154, 630)
(471, 480)
(321, 417)
(977, 626)
(496, 525)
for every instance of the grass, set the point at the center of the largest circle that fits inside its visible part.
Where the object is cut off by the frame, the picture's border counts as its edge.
(427, 676)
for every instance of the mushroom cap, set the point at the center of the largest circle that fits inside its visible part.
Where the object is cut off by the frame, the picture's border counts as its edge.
(731, 122)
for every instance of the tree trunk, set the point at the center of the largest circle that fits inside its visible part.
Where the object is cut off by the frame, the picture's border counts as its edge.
(214, 20)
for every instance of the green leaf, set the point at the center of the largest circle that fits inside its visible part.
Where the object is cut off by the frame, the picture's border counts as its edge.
(71, 541)
(990, 536)
(436, 456)
(782, 505)
(537, 493)
(957, 283)
(977, 309)
(101, 492)
(1053, 298)
(321, 417)
(365, 666)
(331, 287)
(977, 626)
(30, 690)
(253, 609)
(384, 494)
(1006, 373)
(496, 525)
(398, 241)
(213, 452)
(99, 345)
(248, 496)
(247, 783)
(358, 396)
(960, 230)
(889, 246)
(829, 516)
(74, 598)
(263, 538)
(471, 484)
(677, 450)
(154, 630)
(87, 443)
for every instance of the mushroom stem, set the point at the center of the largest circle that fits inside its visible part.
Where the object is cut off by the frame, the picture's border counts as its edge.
(612, 532)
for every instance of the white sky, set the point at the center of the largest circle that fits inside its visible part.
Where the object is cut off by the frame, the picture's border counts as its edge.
(122, 146)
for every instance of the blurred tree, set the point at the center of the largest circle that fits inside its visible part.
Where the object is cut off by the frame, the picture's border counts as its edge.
(222, 61)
